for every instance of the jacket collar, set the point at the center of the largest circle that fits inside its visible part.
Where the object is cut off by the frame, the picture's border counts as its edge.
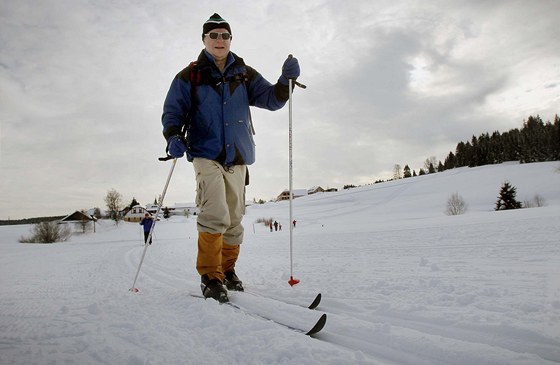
(205, 59)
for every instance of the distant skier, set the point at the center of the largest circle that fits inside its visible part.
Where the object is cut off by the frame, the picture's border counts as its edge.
(275, 226)
(147, 222)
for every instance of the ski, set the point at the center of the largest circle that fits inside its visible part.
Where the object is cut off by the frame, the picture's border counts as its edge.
(316, 328)
(278, 312)
(314, 304)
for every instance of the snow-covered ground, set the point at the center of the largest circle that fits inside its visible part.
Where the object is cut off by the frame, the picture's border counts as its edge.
(402, 282)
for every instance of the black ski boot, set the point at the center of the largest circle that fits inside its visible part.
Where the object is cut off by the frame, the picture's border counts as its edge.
(232, 281)
(213, 288)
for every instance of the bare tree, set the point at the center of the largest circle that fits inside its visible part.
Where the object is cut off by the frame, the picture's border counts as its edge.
(537, 202)
(397, 172)
(97, 213)
(113, 199)
(47, 232)
(456, 205)
(431, 161)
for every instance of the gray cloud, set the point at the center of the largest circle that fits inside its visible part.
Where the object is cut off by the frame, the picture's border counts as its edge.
(82, 86)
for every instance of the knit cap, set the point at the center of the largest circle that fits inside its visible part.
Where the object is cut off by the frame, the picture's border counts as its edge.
(214, 22)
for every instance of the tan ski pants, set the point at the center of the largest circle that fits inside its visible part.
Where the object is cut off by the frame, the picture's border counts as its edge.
(221, 201)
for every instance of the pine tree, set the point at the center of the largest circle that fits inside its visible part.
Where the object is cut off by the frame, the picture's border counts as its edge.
(450, 161)
(133, 203)
(506, 199)
(431, 168)
(407, 172)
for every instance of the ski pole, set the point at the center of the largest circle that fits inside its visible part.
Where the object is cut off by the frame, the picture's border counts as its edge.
(291, 82)
(292, 281)
(146, 244)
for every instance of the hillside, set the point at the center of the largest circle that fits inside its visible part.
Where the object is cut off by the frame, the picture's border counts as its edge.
(398, 203)
(402, 282)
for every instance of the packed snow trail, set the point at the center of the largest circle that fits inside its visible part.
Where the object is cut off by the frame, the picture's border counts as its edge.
(373, 323)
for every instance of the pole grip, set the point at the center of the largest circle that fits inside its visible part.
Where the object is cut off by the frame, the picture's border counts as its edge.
(166, 158)
(294, 80)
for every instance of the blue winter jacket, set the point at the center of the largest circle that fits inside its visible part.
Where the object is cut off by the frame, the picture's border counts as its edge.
(215, 110)
(147, 223)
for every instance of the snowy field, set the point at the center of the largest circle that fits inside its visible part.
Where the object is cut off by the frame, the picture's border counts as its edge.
(402, 282)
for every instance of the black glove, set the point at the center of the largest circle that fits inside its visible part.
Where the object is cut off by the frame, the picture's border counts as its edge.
(176, 146)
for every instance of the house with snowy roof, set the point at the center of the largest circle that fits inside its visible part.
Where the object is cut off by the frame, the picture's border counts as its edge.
(297, 193)
(176, 209)
(80, 219)
(135, 214)
(78, 216)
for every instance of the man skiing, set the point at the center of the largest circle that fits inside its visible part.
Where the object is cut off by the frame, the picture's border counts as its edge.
(210, 100)
(147, 222)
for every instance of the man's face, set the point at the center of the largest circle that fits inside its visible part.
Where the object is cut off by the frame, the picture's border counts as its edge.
(218, 48)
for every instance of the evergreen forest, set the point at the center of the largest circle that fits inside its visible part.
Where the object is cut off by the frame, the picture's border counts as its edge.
(535, 142)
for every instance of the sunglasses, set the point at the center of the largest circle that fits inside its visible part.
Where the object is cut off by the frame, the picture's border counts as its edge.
(214, 35)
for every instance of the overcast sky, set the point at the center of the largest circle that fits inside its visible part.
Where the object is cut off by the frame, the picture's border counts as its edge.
(82, 85)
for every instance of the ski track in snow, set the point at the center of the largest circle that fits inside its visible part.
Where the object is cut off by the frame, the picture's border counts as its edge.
(401, 285)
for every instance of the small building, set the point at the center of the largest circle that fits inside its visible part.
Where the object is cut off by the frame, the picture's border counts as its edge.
(78, 216)
(152, 208)
(135, 214)
(315, 189)
(183, 209)
(177, 209)
(81, 220)
(297, 193)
